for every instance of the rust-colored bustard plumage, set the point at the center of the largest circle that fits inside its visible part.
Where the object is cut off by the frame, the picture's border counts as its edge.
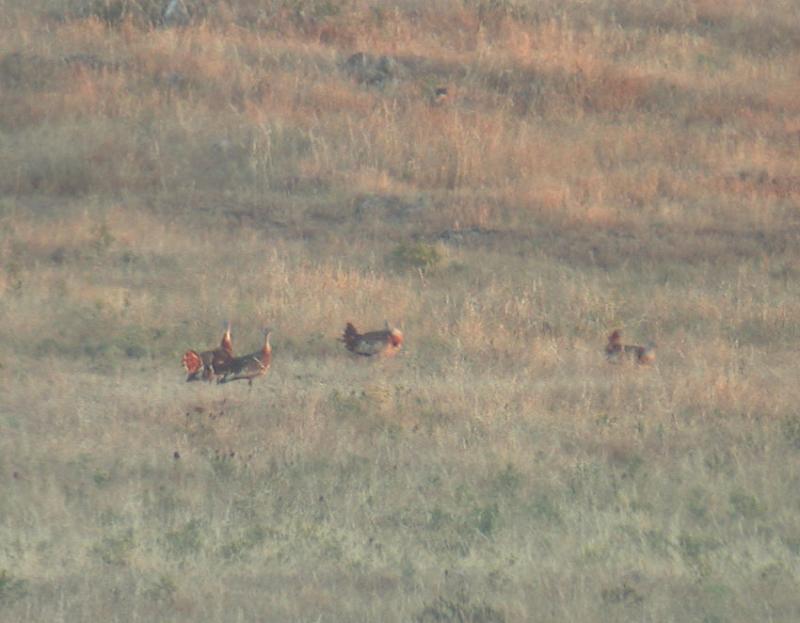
(440, 96)
(617, 352)
(249, 367)
(383, 343)
(209, 364)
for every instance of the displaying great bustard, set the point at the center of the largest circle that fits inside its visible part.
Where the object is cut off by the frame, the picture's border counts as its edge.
(209, 364)
(383, 343)
(617, 352)
(249, 367)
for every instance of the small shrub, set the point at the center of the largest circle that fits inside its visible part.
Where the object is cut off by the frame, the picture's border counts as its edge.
(14, 276)
(544, 509)
(790, 427)
(312, 10)
(697, 504)
(162, 590)
(486, 519)
(102, 238)
(11, 588)
(459, 609)
(744, 505)
(623, 594)
(508, 480)
(186, 540)
(18, 71)
(223, 465)
(438, 519)
(238, 548)
(694, 547)
(101, 477)
(349, 405)
(658, 542)
(115, 550)
(792, 543)
(415, 256)
(135, 351)
(114, 12)
(56, 173)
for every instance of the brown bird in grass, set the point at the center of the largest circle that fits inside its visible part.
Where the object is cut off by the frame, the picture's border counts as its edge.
(384, 343)
(440, 96)
(249, 367)
(209, 364)
(616, 351)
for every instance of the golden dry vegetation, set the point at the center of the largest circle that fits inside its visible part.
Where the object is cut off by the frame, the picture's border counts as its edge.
(607, 164)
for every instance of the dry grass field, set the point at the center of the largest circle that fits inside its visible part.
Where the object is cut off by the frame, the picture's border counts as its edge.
(629, 164)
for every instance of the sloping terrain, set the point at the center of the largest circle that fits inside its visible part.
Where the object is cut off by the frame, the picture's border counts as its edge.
(619, 164)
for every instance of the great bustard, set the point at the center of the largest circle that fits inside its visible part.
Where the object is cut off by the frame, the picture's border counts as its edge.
(384, 343)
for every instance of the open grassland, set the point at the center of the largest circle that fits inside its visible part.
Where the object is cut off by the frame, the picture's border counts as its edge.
(598, 165)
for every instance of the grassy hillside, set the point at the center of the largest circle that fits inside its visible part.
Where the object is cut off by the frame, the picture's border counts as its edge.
(626, 164)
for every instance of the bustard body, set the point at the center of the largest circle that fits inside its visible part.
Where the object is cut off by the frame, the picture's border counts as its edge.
(209, 364)
(385, 343)
(249, 367)
(617, 352)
